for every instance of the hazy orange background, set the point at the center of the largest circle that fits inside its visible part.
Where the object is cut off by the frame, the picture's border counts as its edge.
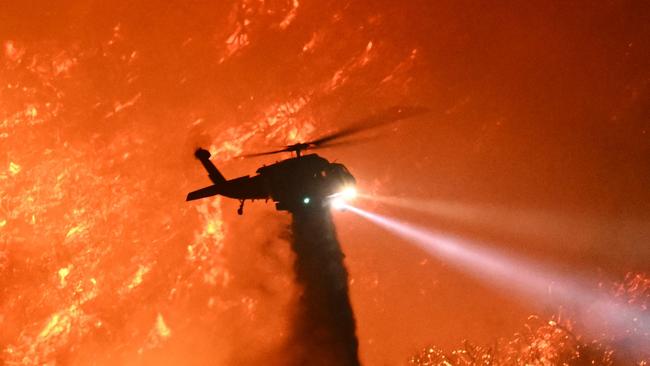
(536, 107)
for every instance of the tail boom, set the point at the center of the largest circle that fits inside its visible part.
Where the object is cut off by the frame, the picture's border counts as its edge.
(215, 175)
(202, 193)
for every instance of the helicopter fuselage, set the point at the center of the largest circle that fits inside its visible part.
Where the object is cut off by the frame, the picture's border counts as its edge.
(293, 184)
(304, 181)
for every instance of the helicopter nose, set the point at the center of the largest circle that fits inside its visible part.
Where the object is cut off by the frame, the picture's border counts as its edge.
(349, 180)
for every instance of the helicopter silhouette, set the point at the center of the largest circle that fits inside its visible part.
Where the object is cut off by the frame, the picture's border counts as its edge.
(302, 182)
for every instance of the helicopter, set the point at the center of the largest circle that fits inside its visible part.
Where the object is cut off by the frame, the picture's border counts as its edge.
(301, 182)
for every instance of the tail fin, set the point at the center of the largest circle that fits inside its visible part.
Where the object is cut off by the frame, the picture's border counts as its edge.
(214, 174)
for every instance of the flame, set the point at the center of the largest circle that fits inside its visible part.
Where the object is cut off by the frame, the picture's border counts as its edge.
(14, 168)
(59, 324)
(162, 329)
(63, 273)
(291, 15)
(75, 230)
(138, 276)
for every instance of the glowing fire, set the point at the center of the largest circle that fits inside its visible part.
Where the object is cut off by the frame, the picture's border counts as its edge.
(89, 226)
(101, 260)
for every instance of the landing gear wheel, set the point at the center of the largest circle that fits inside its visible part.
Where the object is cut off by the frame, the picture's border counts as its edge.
(240, 210)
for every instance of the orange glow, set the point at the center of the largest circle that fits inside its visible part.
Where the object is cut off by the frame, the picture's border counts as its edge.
(102, 262)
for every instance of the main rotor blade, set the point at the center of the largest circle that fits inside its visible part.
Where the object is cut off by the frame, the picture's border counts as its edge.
(356, 141)
(387, 116)
(265, 153)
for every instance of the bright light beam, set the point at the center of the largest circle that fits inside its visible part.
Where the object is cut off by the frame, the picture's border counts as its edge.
(338, 200)
(561, 226)
(601, 313)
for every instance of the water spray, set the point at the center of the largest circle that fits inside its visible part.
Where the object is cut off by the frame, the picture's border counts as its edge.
(324, 330)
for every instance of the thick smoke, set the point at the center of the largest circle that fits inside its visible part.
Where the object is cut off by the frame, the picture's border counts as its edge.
(324, 326)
